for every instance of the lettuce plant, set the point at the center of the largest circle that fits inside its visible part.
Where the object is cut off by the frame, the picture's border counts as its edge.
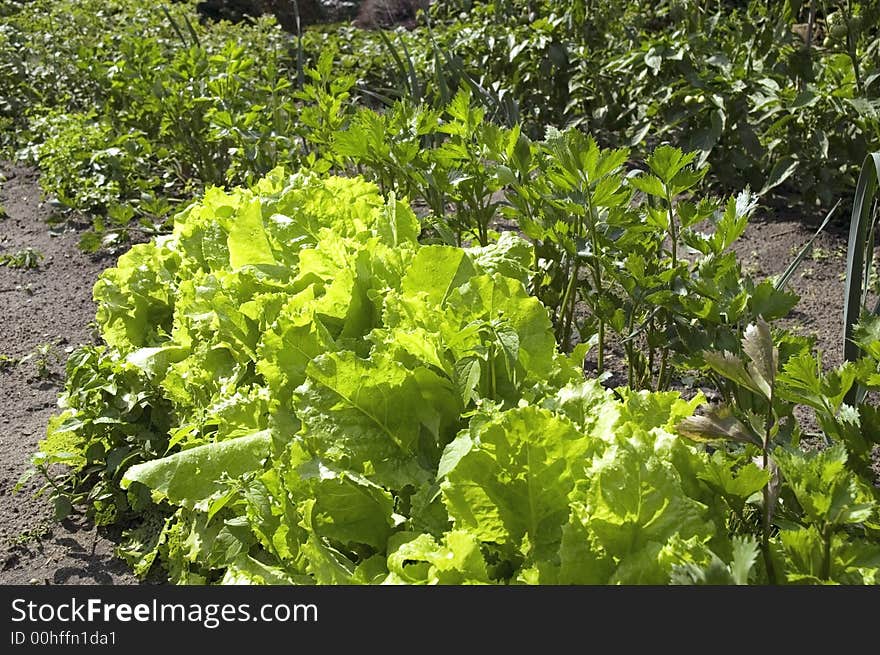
(303, 392)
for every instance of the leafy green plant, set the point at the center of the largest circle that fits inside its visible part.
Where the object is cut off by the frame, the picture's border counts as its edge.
(735, 84)
(146, 118)
(652, 277)
(32, 535)
(570, 204)
(388, 148)
(27, 258)
(468, 154)
(326, 107)
(447, 332)
(448, 158)
(120, 102)
(759, 378)
(83, 163)
(816, 509)
(44, 356)
(305, 383)
(110, 421)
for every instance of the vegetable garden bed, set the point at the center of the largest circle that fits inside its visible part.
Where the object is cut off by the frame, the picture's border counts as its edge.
(294, 378)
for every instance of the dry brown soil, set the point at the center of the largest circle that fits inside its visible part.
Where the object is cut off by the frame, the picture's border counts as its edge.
(44, 312)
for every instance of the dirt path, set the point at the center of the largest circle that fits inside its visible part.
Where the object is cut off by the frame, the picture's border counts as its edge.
(44, 312)
(52, 304)
(771, 244)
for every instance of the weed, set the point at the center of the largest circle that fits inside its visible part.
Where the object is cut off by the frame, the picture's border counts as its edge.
(44, 356)
(27, 259)
(34, 534)
(820, 254)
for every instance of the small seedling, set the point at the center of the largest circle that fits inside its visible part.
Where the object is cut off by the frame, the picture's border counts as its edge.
(43, 356)
(46, 355)
(7, 363)
(27, 258)
(820, 254)
(33, 534)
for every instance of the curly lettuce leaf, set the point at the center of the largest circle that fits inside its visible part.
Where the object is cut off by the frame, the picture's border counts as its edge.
(507, 482)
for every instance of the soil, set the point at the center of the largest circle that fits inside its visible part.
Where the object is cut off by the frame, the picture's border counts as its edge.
(52, 304)
(769, 246)
(44, 313)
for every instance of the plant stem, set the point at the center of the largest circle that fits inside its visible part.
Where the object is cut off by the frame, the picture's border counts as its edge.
(492, 381)
(483, 223)
(629, 364)
(808, 45)
(597, 280)
(766, 514)
(810, 20)
(851, 48)
(664, 356)
(826, 553)
(566, 312)
(569, 321)
(628, 348)
(765, 536)
(673, 236)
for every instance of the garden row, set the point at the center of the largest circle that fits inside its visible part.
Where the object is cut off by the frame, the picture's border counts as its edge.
(129, 109)
(294, 389)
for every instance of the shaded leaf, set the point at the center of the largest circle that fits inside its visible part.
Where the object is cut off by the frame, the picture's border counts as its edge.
(758, 346)
(714, 426)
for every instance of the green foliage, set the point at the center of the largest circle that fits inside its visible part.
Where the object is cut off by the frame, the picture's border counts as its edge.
(110, 419)
(26, 258)
(288, 386)
(818, 510)
(634, 249)
(735, 84)
(126, 114)
(295, 390)
(129, 109)
(85, 165)
(629, 247)
(305, 383)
